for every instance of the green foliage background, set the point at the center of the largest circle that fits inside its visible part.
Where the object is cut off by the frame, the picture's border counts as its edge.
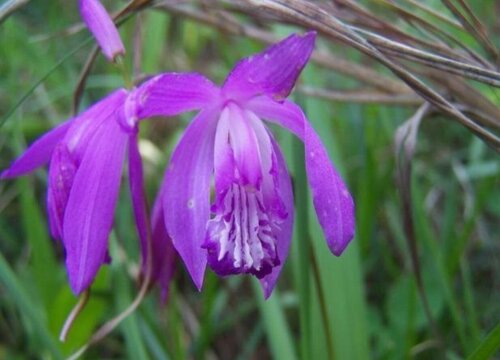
(370, 296)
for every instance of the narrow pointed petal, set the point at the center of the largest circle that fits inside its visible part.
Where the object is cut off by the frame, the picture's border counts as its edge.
(38, 153)
(89, 214)
(273, 71)
(137, 193)
(332, 200)
(102, 27)
(285, 235)
(164, 254)
(171, 94)
(186, 200)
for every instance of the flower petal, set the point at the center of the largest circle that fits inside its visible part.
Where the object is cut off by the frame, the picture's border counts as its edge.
(171, 93)
(38, 153)
(86, 123)
(102, 27)
(89, 214)
(61, 176)
(187, 192)
(284, 187)
(137, 193)
(332, 201)
(244, 144)
(273, 71)
(164, 254)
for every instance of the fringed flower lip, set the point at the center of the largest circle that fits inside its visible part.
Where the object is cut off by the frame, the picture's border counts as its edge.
(86, 156)
(102, 27)
(248, 226)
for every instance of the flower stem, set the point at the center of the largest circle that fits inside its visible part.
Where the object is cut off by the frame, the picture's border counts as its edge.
(122, 66)
(70, 320)
(301, 252)
(322, 304)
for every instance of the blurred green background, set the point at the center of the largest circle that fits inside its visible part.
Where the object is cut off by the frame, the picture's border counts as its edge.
(363, 305)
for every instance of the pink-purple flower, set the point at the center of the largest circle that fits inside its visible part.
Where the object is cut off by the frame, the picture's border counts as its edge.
(248, 226)
(102, 27)
(86, 156)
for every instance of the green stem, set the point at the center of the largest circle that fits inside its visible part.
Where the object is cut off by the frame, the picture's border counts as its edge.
(322, 304)
(301, 251)
(122, 66)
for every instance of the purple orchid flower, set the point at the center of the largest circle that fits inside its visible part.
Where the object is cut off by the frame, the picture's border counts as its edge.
(86, 155)
(102, 27)
(249, 225)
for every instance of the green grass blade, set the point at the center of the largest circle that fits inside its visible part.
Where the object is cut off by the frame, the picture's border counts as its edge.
(23, 302)
(488, 346)
(277, 330)
(341, 278)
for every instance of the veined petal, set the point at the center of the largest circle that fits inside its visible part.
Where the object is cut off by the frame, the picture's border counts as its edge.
(332, 200)
(91, 205)
(224, 166)
(187, 192)
(270, 179)
(171, 93)
(284, 236)
(273, 71)
(102, 27)
(244, 144)
(38, 153)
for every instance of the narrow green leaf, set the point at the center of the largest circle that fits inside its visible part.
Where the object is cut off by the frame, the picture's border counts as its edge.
(341, 277)
(277, 330)
(23, 303)
(488, 346)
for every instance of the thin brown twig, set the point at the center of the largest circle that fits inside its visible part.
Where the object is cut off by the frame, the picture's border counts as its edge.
(414, 19)
(489, 77)
(310, 16)
(361, 97)
(82, 78)
(320, 57)
(476, 30)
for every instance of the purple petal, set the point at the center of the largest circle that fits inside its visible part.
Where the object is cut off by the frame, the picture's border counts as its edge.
(137, 192)
(332, 200)
(244, 145)
(61, 176)
(187, 192)
(89, 214)
(284, 187)
(38, 153)
(85, 125)
(273, 71)
(102, 27)
(224, 167)
(164, 254)
(171, 94)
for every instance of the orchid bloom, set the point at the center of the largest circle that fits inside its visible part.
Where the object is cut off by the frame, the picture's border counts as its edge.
(86, 155)
(102, 27)
(249, 225)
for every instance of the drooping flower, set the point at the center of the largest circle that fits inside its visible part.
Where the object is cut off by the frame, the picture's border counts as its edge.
(102, 27)
(86, 157)
(249, 225)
